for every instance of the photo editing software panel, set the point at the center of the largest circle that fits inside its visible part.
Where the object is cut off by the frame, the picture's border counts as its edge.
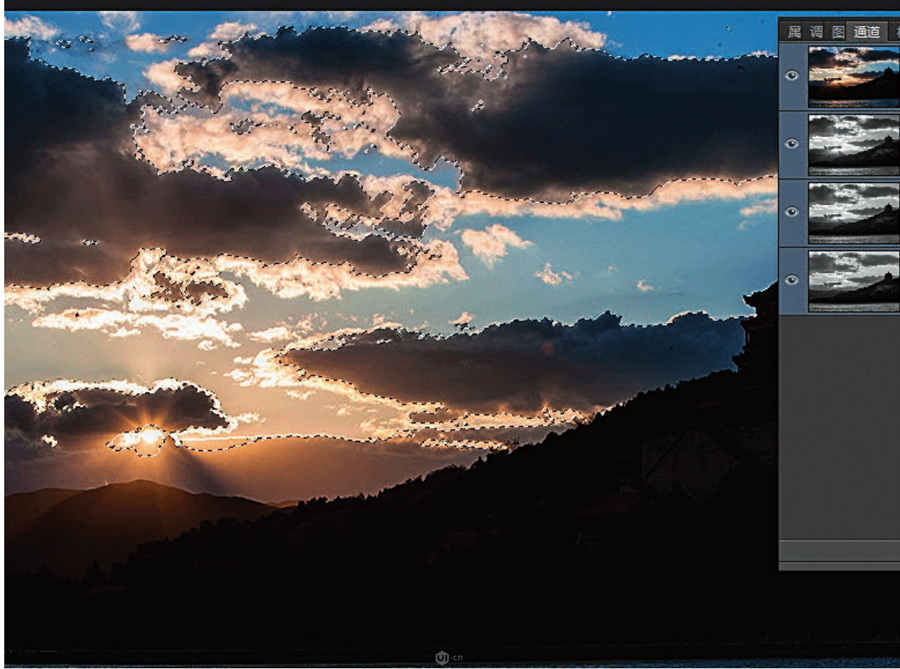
(839, 272)
(451, 337)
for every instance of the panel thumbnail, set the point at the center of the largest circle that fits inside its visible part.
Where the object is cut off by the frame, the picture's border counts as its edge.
(853, 281)
(854, 144)
(854, 213)
(854, 76)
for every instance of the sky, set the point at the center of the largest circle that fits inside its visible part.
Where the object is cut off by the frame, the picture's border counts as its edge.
(285, 255)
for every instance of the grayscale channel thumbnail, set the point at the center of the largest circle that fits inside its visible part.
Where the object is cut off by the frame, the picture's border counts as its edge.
(854, 213)
(854, 145)
(854, 281)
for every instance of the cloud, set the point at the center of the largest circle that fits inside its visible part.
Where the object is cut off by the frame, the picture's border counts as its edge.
(553, 127)
(120, 21)
(291, 127)
(208, 331)
(483, 38)
(438, 264)
(445, 206)
(285, 331)
(309, 125)
(491, 243)
(74, 158)
(72, 139)
(871, 55)
(163, 76)
(29, 26)
(267, 369)
(552, 278)
(644, 286)
(836, 261)
(227, 31)
(386, 417)
(838, 58)
(272, 334)
(21, 237)
(156, 282)
(231, 30)
(767, 206)
(464, 319)
(525, 366)
(178, 298)
(144, 442)
(65, 415)
(147, 42)
(206, 50)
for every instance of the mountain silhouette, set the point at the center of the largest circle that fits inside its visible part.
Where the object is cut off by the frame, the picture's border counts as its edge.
(658, 515)
(21, 508)
(884, 290)
(884, 86)
(885, 154)
(66, 530)
(885, 222)
(649, 532)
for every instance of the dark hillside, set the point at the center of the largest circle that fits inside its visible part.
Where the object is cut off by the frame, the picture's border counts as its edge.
(651, 531)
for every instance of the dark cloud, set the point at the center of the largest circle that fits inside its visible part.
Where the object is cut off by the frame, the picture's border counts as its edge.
(848, 262)
(72, 175)
(862, 280)
(436, 416)
(826, 262)
(876, 259)
(561, 121)
(826, 58)
(866, 143)
(526, 365)
(886, 190)
(823, 59)
(822, 125)
(825, 194)
(869, 55)
(59, 261)
(194, 291)
(415, 206)
(885, 122)
(833, 125)
(87, 416)
(864, 212)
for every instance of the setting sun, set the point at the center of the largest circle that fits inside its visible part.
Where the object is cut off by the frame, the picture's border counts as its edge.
(146, 441)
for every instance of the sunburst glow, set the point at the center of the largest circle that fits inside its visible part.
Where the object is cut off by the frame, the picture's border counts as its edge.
(146, 441)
